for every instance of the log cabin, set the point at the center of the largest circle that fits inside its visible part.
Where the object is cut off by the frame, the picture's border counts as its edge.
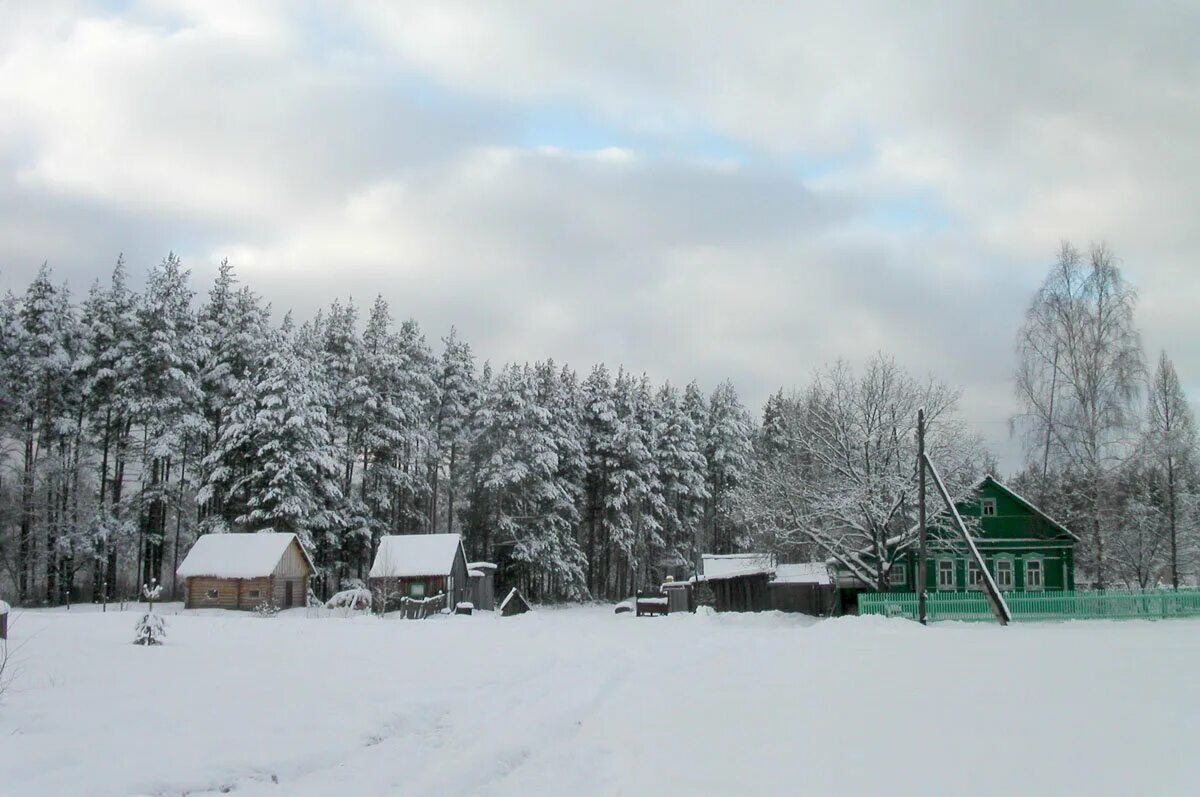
(246, 570)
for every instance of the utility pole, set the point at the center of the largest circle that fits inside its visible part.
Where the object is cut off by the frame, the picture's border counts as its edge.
(921, 515)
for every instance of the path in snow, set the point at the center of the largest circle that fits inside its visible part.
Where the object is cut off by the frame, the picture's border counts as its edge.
(584, 702)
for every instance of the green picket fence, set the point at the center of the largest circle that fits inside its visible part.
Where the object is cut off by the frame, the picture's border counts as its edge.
(1110, 604)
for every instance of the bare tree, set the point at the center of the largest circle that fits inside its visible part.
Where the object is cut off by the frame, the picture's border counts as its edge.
(1171, 436)
(1078, 378)
(844, 483)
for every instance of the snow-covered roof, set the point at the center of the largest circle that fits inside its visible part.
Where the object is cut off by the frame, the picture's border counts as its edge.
(4, 608)
(480, 566)
(802, 573)
(718, 566)
(410, 555)
(246, 555)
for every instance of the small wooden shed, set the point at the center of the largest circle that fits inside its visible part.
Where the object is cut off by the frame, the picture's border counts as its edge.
(246, 570)
(419, 566)
(804, 587)
(483, 585)
(738, 581)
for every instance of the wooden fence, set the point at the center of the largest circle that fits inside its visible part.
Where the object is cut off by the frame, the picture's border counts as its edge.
(1050, 605)
(420, 608)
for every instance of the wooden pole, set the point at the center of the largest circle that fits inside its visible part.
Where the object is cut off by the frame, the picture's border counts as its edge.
(999, 605)
(921, 575)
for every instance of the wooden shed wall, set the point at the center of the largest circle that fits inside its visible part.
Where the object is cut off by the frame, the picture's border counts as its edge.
(742, 594)
(815, 599)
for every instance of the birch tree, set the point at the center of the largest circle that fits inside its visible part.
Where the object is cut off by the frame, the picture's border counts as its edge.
(1078, 379)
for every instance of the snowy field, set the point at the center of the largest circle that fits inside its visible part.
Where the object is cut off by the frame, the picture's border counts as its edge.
(582, 702)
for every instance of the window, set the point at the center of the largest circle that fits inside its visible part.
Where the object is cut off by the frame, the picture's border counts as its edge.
(946, 575)
(898, 575)
(211, 594)
(988, 508)
(416, 589)
(974, 575)
(253, 593)
(1033, 574)
(1004, 573)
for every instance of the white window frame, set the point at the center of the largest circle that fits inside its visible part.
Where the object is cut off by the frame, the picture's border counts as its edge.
(953, 575)
(1012, 573)
(898, 569)
(972, 568)
(984, 505)
(1041, 568)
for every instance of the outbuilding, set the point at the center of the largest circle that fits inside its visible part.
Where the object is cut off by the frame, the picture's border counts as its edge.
(420, 566)
(483, 585)
(245, 571)
(804, 587)
(738, 581)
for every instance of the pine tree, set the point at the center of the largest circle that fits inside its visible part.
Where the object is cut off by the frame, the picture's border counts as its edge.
(166, 400)
(109, 386)
(279, 425)
(728, 451)
(457, 392)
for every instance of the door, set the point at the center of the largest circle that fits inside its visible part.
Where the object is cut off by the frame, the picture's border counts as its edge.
(287, 594)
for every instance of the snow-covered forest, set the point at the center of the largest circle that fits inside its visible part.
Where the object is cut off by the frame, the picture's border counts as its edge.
(135, 421)
(132, 421)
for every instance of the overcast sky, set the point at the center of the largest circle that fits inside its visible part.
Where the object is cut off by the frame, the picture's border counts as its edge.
(695, 190)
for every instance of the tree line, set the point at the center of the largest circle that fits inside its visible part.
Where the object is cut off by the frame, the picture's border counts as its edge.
(133, 421)
(1109, 441)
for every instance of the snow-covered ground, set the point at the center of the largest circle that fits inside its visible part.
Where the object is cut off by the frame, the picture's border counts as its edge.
(584, 702)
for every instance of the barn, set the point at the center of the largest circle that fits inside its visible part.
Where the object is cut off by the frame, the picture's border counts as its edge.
(420, 566)
(244, 571)
(739, 581)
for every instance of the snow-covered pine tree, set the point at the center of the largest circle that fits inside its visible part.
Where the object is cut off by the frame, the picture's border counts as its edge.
(280, 426)
(109, 389)
(233, 328)
(683, 471)
(44, 412)
(166, 399)
(457, 396)
(728, 442)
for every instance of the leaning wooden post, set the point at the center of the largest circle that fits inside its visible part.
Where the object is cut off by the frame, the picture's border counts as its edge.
(999, 605)
(921, 589)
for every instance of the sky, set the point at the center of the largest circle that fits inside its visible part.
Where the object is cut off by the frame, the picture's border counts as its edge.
(695, 190)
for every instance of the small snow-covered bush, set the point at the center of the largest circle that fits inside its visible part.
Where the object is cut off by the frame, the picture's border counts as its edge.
(355, 598)
(266, 609)
(150, 630)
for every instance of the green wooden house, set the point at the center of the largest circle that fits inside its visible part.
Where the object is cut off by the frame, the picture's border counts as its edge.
(1024, 548)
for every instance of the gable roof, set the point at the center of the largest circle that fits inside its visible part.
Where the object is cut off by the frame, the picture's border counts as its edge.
(1029, 505)
(410, 555)
(238, 555)
(714, 567)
